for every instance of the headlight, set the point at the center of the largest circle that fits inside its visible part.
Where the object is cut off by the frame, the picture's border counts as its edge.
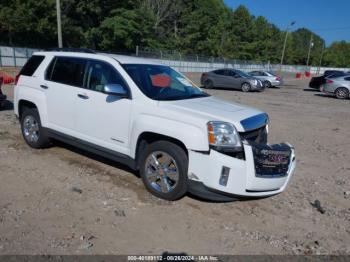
(223, 136)
(255, 82)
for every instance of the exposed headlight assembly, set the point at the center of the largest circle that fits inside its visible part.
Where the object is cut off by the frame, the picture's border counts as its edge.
(223, 136)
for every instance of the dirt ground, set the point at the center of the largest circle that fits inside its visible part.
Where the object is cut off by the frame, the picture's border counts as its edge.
(64, 201)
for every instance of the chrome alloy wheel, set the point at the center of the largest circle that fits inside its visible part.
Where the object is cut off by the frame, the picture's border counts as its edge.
(31, 129)
(245, 87)
(161, 171)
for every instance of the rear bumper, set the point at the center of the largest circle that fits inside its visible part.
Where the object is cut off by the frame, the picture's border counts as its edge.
(205, 171)
(277, 82)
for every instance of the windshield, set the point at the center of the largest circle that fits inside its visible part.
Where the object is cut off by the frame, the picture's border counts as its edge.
(162, 82)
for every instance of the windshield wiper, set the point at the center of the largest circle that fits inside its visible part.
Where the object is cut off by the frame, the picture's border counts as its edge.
(197, 95)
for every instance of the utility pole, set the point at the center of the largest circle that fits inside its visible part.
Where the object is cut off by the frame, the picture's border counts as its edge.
(59, 23)
(285, 43)
(310, 46)
(321, 57)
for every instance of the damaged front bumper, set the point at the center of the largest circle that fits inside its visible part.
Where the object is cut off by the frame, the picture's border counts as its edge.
(264, 170)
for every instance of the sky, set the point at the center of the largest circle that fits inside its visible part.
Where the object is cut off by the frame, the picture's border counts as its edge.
(330, 19)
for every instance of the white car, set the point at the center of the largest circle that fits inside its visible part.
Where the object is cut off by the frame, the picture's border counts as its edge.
(154, 120)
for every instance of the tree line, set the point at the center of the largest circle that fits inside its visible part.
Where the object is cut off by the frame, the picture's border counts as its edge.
(203, 27)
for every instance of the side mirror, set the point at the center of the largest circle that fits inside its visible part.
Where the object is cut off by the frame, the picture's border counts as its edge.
(115, 90)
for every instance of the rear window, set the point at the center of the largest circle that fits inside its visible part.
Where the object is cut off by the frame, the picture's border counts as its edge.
(67, 70)
(32, 65)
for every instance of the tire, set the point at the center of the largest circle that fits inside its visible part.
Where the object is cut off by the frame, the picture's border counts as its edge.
(342, 93)
(246, 87)
(208, 84)
(165, 178)
(33, 133)
(267, 84)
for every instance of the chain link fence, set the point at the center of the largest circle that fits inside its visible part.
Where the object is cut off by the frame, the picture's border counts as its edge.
(17, 56)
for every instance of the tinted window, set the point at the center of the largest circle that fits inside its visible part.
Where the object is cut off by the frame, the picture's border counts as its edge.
(67, 70)
(98, 74)
(336, 74)
(32, 64)
(347, 78)
(255, 73)
(220, 72)
(230, 73)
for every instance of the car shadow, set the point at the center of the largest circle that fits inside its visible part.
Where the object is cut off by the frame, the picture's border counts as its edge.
(8, 106)
(325, 95)
(311, 90)
(123, 167)
(95, 157)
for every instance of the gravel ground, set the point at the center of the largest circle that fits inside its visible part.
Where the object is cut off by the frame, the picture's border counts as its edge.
(64, 201)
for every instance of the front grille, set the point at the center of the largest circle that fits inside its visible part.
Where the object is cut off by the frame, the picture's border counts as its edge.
(255, 136)
(271, 160)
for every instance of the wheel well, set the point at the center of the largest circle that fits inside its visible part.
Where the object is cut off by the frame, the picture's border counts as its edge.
(341, 87)
(24, 104)
(147, 138)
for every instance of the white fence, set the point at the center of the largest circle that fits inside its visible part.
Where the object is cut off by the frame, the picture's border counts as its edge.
(17, 56)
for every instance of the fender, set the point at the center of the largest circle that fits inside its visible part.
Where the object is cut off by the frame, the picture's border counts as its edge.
(193, 137)
(36, 97)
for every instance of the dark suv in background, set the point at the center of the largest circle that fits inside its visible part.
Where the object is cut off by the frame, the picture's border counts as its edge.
(317, 81)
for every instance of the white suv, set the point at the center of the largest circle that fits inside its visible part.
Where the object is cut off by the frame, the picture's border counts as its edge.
(154, 120)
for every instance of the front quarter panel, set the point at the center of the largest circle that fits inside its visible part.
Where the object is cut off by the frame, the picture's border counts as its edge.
(193, 137)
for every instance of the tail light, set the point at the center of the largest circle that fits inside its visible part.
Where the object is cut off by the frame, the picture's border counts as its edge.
(204, 75)
(328, 81)
(278, 78)
(17, 78)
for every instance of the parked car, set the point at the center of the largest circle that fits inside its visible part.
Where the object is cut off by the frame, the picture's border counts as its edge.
(339, 86)
(154, 120)
(269, 79)
(317, 81)
(231, 78)
(2, 96)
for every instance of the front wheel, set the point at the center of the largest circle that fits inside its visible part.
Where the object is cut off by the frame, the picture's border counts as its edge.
(342, 93)
(163, 169)
(245, 87)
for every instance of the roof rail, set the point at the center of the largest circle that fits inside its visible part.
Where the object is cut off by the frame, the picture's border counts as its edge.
(70, 49)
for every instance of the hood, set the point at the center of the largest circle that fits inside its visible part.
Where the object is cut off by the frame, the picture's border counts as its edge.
(213, 109)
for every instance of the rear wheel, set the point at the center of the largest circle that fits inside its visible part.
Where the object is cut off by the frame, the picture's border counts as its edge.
(342, 93)
(163, 169)
(208, 84)
(32, 131)
(267, 84)
(246, 87)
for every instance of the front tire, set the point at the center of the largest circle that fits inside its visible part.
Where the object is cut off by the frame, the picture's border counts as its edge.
(33, 133)
(342, 93)
(163, 169)
(246, 87)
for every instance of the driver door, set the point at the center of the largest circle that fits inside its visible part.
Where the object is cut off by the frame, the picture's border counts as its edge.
(103, 119)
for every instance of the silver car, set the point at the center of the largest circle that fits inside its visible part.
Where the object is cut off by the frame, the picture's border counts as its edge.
(340, 86)
(269, 79)
(231, 78)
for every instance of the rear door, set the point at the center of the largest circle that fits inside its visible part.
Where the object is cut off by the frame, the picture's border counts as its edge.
(62, 79)
(232, 80)
(102, 119)
(219, 77)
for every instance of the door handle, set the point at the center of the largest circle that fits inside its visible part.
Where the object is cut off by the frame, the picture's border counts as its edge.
(83, 96)
(44, 86)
